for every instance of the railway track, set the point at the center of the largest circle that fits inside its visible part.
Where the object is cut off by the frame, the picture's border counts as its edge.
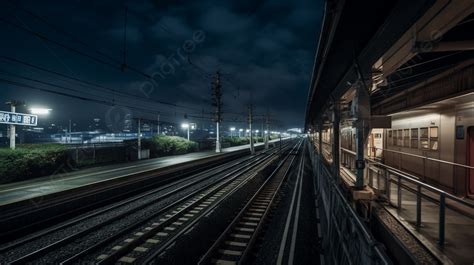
(186, 182)
(237, 240)
(225, 183)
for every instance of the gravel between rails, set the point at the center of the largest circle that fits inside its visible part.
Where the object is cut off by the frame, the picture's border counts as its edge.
(108, 230)
(417, 250)
(189, 248)
(307, 245)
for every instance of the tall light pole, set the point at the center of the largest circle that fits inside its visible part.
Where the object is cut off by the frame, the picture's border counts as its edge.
(217, 103)
(266, 132)
(186, 126)
(70, 132)
(232, 129)
(13, 105)
(266, 139)
(240, 131)
(250, 120)
(139, 136)
(158, 127)
(12, 127)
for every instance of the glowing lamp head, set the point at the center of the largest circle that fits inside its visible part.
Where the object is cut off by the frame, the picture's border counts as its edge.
(40, 111)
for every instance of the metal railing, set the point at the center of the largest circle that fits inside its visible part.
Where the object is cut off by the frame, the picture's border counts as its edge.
(386, 176)
(346, 239)
(425, 158)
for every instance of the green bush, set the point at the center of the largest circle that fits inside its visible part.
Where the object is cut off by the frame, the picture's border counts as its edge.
(163, 145)
(30, 161)
(236, 141)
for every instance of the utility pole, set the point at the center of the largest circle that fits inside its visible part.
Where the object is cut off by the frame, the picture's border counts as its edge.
(217, 104)
(158, 127)
(280, 142)
(70, 132)
(250, 119)
(13, 105)
(267, 131)
(139, 136)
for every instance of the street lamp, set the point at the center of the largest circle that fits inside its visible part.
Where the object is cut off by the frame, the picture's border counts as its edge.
(40, 111)
(186, 126)
(232, 129)
(240, 131)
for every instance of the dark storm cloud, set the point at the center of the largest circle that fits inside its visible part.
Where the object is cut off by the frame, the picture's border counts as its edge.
(263, 48)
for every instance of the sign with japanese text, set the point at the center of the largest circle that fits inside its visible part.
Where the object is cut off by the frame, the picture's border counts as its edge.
(18, 118)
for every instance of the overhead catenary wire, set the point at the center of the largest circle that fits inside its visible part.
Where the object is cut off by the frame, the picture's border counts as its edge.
(7, 58)
(74, 50)
(50, 40)
(61, 31)
(84, 98)
(91, 99)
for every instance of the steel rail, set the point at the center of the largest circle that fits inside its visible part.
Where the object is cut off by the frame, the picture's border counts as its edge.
(208, 255)
(70, 238)
(168, 243)
(82, 218)
(139, 223)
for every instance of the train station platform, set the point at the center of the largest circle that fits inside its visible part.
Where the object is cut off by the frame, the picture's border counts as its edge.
(401, 204)
(39, 187)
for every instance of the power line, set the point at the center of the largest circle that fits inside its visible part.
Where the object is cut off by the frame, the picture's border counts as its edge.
(98, 101)
(61, 31)
(43, 37)
(93, 84)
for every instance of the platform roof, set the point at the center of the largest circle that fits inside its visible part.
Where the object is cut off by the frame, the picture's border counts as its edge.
(355, 35)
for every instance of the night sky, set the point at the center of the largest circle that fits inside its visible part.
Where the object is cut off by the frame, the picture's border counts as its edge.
(264, 50)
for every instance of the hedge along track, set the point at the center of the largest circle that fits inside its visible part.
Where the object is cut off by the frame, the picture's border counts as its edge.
(133, 244)
(83, 233)
(235, 243)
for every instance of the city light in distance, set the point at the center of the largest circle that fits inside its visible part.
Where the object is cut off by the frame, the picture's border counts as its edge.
(185, 125)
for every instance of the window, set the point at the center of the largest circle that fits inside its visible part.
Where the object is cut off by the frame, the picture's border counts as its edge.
(406, 137)
(390, 139)
(400, 138)
(414, 138)
(424, 139)
(434, 138)
(395, 141)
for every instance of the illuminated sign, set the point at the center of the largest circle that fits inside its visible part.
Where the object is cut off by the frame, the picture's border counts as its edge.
(18, 118)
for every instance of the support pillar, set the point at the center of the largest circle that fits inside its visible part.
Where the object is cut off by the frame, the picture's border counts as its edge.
(320, 143)
(361, 110)
(336, 118)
